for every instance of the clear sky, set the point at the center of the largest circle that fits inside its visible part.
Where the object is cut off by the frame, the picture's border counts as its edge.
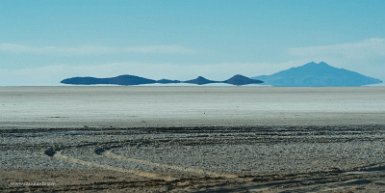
(44, 41)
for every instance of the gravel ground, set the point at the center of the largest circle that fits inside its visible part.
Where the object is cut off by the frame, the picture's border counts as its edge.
(266, 158)
(189, 159)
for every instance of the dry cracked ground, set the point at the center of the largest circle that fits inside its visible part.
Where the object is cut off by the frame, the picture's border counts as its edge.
(336, 144)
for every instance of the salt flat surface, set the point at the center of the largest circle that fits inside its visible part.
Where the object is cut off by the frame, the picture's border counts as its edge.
(81, 107)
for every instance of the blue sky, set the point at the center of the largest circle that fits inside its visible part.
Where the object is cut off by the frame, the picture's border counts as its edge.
(44, 41)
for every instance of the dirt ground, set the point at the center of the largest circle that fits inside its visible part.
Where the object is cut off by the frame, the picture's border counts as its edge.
(198, 159)
(198, 139)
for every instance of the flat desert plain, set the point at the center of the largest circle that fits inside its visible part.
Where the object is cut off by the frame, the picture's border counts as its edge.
(192, 139)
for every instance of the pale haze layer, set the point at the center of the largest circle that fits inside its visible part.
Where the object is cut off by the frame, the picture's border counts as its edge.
(44, 41)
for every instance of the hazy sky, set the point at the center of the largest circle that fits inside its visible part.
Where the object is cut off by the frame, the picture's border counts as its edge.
(44, 41)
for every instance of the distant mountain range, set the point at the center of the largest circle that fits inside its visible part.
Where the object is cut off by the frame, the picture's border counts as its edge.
(317, 75)
(309, 75)
(137, 80)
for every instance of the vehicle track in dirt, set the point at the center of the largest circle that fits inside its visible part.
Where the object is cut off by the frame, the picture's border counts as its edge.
(116, 150)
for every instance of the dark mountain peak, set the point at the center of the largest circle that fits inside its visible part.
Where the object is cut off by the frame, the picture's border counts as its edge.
(239, 76)
(200, 80)
(317, 74)
(241, 80)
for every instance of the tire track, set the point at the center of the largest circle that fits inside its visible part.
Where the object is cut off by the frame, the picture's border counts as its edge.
(324, 182)
(195, 171)
(58, 155)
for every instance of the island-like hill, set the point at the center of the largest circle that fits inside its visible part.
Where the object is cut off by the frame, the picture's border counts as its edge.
(200, 80)
(118, 80)
(241, 80)
(137, 80)
(317, 75)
